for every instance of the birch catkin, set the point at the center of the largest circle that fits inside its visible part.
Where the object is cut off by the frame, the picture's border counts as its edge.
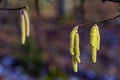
(72, 37)
(94, 54)
(27, 22)
(98, 38)
(93, 36)
(94, 41)
(76, 48)
(75, 64)
(23, 35)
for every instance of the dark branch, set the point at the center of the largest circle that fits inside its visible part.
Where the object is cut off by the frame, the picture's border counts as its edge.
(13, 8)
(111, 0)
(93, 22)
(37, 6)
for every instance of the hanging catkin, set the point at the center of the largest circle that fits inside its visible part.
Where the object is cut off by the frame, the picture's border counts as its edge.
(94, 54)
(76, 48)
(98, 38)
(72, 38)
(23, 35)
(94, 41)
(27, 22)
(75, 64)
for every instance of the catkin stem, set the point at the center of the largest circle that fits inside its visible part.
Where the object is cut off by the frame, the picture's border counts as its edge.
(98, 21)
(13, 8)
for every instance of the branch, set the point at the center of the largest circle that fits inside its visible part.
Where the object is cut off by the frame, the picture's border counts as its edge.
(112, 1)
(37, 6)
(13, 8)
(95, 22)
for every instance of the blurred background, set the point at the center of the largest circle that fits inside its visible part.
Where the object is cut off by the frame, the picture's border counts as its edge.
(45, 55)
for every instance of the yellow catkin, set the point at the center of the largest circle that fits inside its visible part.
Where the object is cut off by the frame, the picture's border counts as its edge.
(76, 48)
(23, 35)
(27, 22)
(72, 35)
(78, 59)
(93, 36)
(98, 38)
(94, 54)
(75, 64)
(94, 41)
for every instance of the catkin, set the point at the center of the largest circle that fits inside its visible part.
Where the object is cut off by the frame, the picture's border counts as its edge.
(98, 38)
(27, 22)
(93, 36)
(94, 54)
(94, 41)
(75, 64)
(23, 35)
(72, 35)
(78, 59)
(76, 47)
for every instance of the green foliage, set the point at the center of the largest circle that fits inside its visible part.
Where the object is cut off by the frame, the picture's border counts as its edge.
(29, 55)
(55, 75)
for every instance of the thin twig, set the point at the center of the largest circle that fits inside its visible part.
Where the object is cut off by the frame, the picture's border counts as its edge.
(100, 21)
(13, 8)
